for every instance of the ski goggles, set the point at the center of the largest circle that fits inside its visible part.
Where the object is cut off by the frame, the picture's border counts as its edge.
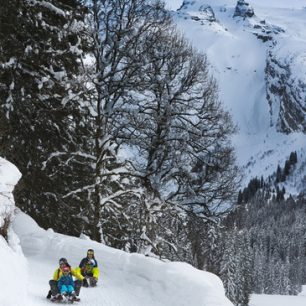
(90, 253)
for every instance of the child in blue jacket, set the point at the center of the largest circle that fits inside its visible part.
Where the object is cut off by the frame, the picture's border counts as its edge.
(65, 283)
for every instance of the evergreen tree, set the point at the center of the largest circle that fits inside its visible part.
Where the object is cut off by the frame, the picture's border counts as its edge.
(293, 158)
(279, 174)
(41, 47)
(276, 229)
(240, 197)
(229, 269)
(287, 168)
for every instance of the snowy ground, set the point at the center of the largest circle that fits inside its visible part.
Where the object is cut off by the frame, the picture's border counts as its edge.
(126, 279)
(30, 257)
(279, 300)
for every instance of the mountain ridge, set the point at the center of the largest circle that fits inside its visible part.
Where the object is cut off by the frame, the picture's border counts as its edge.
(269, 113)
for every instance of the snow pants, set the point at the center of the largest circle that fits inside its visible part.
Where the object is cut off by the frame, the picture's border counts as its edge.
(66, 289)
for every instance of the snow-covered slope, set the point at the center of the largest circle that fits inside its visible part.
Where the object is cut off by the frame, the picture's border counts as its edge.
(126, 279)
(30, 256)
(13, 269)
(279, 300)
(9, 176)
(268, 105)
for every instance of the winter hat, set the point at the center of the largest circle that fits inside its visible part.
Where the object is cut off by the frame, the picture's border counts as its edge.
(63, 261)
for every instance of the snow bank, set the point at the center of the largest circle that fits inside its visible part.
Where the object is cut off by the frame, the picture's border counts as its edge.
(279, 300)
(9, 176)
(13, 269)
(126, 279)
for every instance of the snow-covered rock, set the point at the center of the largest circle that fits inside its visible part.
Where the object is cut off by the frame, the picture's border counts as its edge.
(243, 9)
(13, 268)
(197, 11)
(207, 12)
(9, 176)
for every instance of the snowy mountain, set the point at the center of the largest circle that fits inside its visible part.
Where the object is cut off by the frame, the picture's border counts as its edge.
(31, 256)
(257, 54)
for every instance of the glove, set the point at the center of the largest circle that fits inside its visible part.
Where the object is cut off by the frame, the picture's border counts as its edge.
(85, 282)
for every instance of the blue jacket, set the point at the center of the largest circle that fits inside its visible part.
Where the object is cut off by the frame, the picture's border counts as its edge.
(65, 280)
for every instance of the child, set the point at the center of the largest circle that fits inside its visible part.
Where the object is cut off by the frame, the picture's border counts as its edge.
(65, 283)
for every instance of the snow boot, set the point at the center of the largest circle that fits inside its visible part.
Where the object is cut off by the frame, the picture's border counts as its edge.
(93, 282)
(73, 298)
(56, 298)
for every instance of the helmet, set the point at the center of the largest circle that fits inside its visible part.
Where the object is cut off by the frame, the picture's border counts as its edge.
(66, 269)
(63, 261)
(91, 262)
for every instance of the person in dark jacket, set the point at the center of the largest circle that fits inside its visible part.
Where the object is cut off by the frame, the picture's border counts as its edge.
(89, 269)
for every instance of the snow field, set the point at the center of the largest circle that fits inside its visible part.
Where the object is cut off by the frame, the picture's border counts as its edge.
(126, 279)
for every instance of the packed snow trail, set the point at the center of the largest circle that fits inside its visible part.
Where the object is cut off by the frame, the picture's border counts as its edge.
(278, 300)
(125, 279)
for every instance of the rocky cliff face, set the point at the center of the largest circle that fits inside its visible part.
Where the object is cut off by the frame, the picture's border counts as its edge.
(286, 91)
(285, 87)
(261, 81)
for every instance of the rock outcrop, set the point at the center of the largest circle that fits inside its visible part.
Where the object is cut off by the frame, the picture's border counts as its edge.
(265, 31)
(243, 9)
(286, 93)
(200, 12)
(207, 13)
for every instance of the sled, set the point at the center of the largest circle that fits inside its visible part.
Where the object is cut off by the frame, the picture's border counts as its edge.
(65, 300)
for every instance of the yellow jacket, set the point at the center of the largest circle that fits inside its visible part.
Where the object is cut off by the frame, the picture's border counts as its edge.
(74, 271)
(95, 272)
